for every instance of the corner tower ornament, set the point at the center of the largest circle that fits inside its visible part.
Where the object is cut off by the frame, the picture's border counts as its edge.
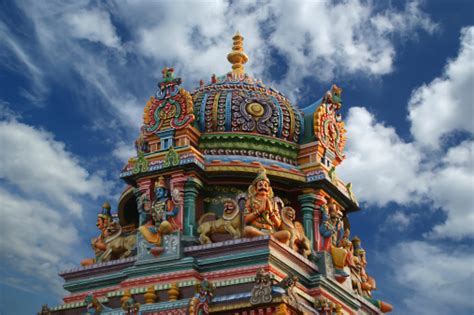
(172, 107)
(329, 127)
(232, 186)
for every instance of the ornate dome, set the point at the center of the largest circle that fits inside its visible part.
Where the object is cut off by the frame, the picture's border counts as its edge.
(239, 115)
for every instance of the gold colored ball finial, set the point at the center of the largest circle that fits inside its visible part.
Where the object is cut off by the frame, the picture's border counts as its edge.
(237, 57)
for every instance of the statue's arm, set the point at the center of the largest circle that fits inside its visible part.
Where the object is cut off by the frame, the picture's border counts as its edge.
(249, 215)
(172, 209)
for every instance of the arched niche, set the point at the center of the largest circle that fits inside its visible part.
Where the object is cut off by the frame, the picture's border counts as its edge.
(127, 208)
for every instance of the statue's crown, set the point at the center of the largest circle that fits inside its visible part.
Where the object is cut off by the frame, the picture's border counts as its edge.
(105, 211)
(262, 175)
(160, 182)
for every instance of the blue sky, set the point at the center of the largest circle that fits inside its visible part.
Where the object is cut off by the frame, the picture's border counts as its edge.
(75, 76)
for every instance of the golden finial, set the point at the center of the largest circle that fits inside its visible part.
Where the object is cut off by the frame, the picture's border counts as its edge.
(237, 57)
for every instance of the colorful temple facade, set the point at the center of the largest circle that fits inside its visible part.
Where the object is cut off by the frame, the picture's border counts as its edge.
(233, 206)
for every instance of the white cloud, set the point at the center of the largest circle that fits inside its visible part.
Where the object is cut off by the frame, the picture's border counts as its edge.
(38, 89)
(382, 166)
(436, 279)
(349, 38)
(399, 220)
(451, 188)
(42, 185)
(33, 162)
(386, 168)
(124, 151)
(6, 113)
(35, 241)
(193, 45)
(323, 39)
(94, 25)
(446, 103)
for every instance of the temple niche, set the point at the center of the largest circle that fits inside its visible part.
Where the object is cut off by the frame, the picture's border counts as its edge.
(232, 205)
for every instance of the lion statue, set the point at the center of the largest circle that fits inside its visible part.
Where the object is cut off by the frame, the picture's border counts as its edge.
(230, 223)
(118, 245)
(298, 240)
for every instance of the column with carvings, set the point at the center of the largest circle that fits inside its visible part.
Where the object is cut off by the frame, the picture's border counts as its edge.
(191, 191)
(307, 208)
(177, 182)
(319, 201)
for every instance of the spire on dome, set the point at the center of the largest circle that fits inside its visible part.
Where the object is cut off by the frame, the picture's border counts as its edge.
(237, 57)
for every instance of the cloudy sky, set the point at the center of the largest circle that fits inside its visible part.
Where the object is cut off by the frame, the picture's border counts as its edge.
(75, 76)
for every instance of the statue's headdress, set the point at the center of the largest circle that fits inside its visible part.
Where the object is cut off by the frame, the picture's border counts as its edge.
(160, 182)
(105, 211)
(262, 175)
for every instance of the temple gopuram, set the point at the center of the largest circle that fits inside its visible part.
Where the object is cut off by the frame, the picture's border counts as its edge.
(232, 205)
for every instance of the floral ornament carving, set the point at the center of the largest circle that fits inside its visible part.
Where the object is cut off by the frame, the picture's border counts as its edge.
(171, 158)
(328, 125)
(262, 290)
(253, 112)
(170, 108)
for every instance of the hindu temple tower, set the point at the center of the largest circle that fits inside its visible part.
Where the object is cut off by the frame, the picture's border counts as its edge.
(232, 205)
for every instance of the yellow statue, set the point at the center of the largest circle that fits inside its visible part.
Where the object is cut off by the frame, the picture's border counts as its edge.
(111, 244)
(298, 240)
(230, 223)
(262, 216)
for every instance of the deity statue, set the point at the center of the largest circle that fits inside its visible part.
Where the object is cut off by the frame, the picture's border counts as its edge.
(332, 231)
(93, 305)
(161, 222)
(262, 215)
(230, 223)
(200, 302)
(362, 283)
(104, 218)
(111, 244)
(346, 243)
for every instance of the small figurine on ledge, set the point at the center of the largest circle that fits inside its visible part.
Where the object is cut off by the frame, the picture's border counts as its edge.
(199, 304)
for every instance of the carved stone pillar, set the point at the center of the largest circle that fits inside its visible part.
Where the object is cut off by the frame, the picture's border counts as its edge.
(191, 190)
(308, 208)
(319, 201)
(177, 183)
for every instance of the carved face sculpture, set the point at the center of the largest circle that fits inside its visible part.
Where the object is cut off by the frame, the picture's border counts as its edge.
(262, 188)
(160, 193)
(290, 213)
(229, 207)
(101, 223)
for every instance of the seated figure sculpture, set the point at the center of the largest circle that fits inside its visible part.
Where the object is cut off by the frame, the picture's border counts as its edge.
(262, 216)
(98, 243)
(161, 222)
